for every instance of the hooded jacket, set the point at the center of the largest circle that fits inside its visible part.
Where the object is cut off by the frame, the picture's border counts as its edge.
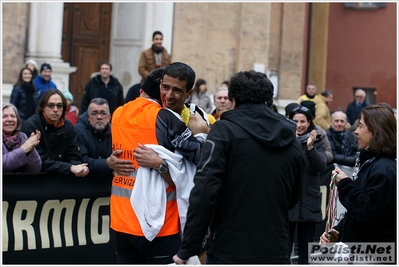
(248, 177)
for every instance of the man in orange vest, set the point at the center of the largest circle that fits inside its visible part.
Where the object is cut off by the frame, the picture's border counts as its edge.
(143, 121)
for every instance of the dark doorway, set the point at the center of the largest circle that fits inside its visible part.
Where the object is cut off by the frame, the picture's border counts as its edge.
(85, 42)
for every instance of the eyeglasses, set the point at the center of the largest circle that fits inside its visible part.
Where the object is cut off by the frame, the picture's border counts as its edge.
(52, 105)
(359, 96)
(95, 113)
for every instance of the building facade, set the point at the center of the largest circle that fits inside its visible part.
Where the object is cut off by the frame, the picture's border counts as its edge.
(333, 45)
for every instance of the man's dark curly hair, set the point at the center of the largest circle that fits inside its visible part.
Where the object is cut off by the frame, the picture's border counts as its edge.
(251, 87)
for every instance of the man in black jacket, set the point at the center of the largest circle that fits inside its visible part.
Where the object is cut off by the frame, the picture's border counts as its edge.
(94, 137)
(355, 107)
(58, 147)
(343, 143)
(248, 177)
(106, 86)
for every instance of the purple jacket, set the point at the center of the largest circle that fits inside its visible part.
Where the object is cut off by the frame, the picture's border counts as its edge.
(17, 158)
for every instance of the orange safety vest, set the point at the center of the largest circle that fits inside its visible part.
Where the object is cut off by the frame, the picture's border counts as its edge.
(135, 123)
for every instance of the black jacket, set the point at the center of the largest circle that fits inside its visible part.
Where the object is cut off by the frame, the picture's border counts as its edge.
(335, 143)
(352, 113)
(58, 149)
(370, 202)
(25, 100)
(92, 90)
(95, 147)
(308, 208)
(250, 175)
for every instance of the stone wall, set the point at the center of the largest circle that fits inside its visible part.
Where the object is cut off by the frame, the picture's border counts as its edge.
(15, 33)
(220, 39)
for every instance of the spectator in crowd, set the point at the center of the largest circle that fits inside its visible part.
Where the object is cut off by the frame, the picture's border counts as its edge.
(72, 112)
(19, 153)
(320, 132)
(310, 94)
(222, 102)
(24, 95)
(249, 223)
(322, 117)
(94, 137)
(43, 81)
(133, 92)
(370, 196)
(200, 96)
(58, 147)
(343, 142)
(143, 121)
(354, 107)
(225, 84)
(154, 57)
(304, 216)
(354, 126)
(32, 65)
(104, 85)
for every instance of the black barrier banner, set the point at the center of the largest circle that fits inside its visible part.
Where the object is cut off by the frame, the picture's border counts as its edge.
(56, 220)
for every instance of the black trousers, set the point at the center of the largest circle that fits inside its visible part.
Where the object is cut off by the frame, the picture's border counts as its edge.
(132, 249)
(305, 232)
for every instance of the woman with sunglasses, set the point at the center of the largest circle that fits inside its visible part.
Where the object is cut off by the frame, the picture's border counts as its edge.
(304, 216)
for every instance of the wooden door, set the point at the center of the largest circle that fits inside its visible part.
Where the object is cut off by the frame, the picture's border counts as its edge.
(85, 42)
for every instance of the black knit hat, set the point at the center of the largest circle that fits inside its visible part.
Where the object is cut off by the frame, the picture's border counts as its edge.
(311, 106)
(151, 84)
(45, 66)
(290, 107)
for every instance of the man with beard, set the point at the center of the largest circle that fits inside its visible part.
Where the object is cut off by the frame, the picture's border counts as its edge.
(94, 137)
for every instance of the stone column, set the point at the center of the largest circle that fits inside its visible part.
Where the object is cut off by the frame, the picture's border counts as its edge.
(45, 40)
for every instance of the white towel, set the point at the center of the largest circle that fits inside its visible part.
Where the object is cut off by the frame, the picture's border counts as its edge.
(148, 197)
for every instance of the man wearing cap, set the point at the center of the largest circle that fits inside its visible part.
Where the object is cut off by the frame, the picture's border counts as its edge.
(43, 81)
(72, 112)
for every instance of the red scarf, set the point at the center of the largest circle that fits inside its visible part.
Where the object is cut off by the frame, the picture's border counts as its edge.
(57, 124)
